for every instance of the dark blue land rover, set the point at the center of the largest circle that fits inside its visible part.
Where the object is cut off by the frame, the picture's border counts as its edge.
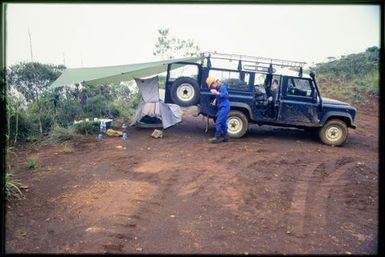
(296, 102)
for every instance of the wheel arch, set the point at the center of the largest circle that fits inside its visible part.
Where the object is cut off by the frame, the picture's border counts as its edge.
(242, 107)
(345, 117)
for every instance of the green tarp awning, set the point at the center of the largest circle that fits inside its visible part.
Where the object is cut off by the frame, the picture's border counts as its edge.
(115, 74)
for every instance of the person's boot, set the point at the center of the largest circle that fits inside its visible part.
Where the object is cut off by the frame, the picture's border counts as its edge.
(225, 137)
(216, 139)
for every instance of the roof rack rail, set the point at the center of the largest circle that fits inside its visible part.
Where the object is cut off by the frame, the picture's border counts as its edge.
(253, 63)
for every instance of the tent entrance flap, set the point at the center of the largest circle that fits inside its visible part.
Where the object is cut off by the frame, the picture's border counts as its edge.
(151, 107)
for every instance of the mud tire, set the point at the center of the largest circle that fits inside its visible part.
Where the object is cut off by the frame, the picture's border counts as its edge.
(334, 132)
(184, 91)
(237, 124)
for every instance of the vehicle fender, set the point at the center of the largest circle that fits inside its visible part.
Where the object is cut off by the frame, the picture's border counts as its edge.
(337, 114)
(239, 105)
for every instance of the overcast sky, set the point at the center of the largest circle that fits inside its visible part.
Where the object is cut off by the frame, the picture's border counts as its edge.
(90, 35)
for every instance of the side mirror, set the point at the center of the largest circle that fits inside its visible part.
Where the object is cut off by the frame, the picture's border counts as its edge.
(312, 74)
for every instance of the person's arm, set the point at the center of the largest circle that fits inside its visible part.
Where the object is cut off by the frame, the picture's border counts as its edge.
(214, 91)
(222, 92)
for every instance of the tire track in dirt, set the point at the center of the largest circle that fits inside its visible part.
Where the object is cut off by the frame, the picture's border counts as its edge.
(315, 185)
(335, 172)
(296, 213)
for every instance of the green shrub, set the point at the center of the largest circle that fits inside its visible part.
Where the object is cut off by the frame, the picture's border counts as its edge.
(23, 126)
(12, 187)
(354, 75)
(87, 127)
(33, 137)
(134, 100)
(373, 84)
(59, 134)
(45, 115)
(122, 109)
(96, 106)
(357, 97)
(67, 111)
(31, 163)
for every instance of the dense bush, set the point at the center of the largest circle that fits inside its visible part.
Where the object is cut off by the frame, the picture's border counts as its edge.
(87, 127)
(35, 110)
(60, 134)
(350, 77)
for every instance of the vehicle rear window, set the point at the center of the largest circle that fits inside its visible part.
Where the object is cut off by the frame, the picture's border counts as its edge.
(232, 79)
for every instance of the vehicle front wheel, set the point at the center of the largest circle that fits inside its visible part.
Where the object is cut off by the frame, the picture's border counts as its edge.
(334, 132)
(237, 124)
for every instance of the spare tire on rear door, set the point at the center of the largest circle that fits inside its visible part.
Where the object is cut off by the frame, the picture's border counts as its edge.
(185, 91)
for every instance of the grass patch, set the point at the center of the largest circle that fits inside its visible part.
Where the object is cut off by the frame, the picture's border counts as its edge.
(68, 149)
(60, 134)
(12, 187)
(31, 163)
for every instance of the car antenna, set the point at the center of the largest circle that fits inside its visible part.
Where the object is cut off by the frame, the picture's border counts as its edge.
(300, 72)
(240, 65)
(209, 62)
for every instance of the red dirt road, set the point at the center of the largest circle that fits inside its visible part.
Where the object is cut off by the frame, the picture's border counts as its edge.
(277, 190)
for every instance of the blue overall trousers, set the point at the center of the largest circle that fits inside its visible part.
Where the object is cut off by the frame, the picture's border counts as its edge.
(223, 105)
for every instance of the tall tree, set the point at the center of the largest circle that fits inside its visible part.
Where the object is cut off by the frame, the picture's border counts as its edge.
(32, 79)
(170, 47)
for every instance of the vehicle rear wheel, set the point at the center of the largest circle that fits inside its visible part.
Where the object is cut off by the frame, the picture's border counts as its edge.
(334, 132)
(185, 91)
(237, 124)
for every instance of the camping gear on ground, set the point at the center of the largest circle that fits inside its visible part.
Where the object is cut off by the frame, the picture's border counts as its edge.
(151, 111)
(157, 133)
(114, 133)
(103, 127)
(102, 130)
(125, 135)
(106, 122)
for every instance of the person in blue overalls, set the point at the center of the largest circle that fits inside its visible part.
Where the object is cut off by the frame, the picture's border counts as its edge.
(223, 104)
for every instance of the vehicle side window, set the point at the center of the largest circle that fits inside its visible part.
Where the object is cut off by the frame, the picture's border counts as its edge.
(232, 79)
(298, 87)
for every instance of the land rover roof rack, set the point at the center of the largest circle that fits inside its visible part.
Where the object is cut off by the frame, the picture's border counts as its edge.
(253, 63)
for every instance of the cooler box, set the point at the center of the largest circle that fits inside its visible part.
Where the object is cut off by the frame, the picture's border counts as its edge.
(108, 122)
